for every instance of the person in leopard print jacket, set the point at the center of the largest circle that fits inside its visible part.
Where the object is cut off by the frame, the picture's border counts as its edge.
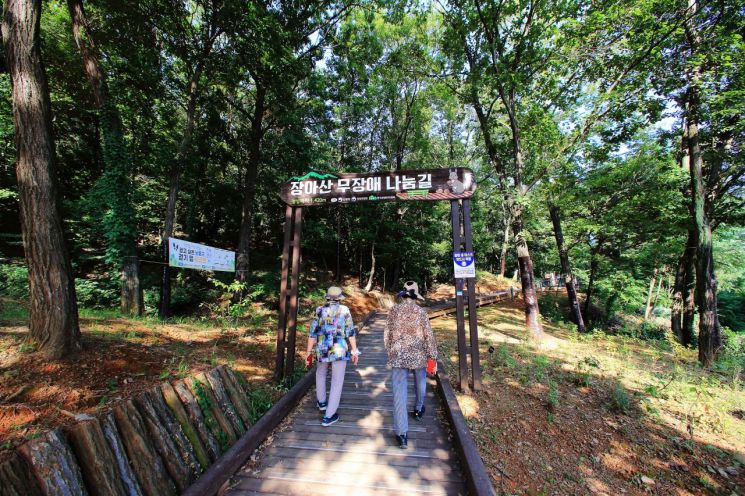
(410, 345)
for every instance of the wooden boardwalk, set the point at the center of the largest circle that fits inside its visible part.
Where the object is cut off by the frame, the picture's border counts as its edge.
(358, 453)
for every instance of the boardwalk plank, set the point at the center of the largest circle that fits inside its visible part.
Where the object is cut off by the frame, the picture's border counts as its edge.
(435, 471)
(321, 486)
(359, 452)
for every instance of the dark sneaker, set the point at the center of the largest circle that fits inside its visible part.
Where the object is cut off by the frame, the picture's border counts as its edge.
(321, 405)
(403, 441)
(418, 414)
(327, 421)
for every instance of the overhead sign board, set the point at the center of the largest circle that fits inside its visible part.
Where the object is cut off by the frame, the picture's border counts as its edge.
(464, 264)
(314, 188)
(189, 255)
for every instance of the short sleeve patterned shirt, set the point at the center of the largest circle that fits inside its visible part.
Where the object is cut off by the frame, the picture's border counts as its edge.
(331, 326)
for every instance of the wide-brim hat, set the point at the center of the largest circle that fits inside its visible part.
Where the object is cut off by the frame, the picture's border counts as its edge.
(412, 288)
(334, 293)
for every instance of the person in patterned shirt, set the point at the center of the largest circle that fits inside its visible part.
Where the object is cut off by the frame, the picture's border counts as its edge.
(410, 345)
(332, 332)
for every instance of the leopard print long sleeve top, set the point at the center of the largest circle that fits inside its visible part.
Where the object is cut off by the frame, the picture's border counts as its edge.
(408, 336)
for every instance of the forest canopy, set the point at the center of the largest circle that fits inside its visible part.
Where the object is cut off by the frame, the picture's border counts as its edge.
(605, 137)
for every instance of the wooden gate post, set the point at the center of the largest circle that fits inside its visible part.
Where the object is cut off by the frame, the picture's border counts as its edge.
(472, 320)
(459, 310)
(279, 365)
(293, 296)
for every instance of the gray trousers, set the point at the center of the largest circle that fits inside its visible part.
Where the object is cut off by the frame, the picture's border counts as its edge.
(337, 382)
(400, 385)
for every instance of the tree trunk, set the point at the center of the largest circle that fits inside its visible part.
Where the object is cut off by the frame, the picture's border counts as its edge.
(591, 281)
(676, 309)
(173, 189)
(252, 167)
(709, 340)
(115, 185)
(689, 292)
(566, 268)
(525, 266)
(657, 293)
(648, 308)
(503, 253)
(369, 284)
(53, 319)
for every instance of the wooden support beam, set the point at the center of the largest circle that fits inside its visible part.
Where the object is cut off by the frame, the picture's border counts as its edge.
(472, 320)
(279, 365)
(459, 309)
(297, 237)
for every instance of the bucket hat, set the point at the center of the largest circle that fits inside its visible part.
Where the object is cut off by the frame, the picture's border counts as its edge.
(412, 288)
(334, 293)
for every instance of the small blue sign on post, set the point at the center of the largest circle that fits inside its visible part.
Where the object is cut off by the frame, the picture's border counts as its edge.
(464, 265)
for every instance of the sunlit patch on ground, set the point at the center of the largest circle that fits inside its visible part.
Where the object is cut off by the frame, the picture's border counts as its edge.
(608, 414)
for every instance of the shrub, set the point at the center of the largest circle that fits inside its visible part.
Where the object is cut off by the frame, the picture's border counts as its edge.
(732, 357)
(14, 280)
(732, 310)
(646, 331)
(97, 293)
(553, 397)
(620, 401)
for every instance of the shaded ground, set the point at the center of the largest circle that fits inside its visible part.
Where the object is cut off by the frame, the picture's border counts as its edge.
(599, 414)
(123, 356)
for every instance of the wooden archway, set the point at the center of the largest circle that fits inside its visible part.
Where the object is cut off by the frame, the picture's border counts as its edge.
(313, 189)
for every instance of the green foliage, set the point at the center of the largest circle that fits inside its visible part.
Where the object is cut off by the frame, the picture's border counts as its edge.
(379, 87)
(646, 331)
(732, 310)
(732, 358)
(13, 281)
(553, 397)
(620, 401)
(259, 401)
(503, 357)
(97, 293)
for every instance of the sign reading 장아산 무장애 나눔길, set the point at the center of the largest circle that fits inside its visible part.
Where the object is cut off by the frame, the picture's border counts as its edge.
(314, 188)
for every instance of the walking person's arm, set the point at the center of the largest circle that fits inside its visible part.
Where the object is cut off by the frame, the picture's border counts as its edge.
(312, 338)
(429, 339)
(387, 332)
(350, 332)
